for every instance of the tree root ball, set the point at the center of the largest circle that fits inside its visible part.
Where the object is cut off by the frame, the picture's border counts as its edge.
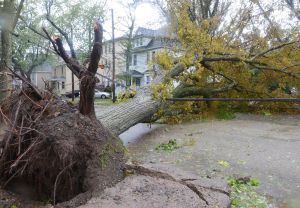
(55, 149)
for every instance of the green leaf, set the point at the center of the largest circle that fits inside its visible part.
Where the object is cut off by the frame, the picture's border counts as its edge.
(224, 163)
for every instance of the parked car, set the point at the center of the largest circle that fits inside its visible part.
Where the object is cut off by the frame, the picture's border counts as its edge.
(101, 94)
(69, 94)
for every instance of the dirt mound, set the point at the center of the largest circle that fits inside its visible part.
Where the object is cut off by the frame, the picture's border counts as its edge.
(55, 149)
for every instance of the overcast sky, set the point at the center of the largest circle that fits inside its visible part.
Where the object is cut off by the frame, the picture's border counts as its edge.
(146, 16)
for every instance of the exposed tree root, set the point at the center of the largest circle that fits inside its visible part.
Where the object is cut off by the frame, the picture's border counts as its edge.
(136, 169)
(55, 149)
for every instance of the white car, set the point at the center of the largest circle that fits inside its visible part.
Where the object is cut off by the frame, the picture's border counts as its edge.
(100, 94)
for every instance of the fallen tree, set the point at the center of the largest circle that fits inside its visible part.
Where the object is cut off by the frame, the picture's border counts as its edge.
(63, 151)
(57, 149)
(139, 109)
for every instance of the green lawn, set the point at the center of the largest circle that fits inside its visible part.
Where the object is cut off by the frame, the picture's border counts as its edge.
(104, 102)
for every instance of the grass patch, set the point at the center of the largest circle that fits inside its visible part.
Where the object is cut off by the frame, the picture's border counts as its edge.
(170, 146)
(224, 111)
(243, 195)
(189, 142)
(104, 102)
(224, 163)
(173, 145)
(225, 114)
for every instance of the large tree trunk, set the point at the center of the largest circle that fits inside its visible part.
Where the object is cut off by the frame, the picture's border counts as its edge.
(121, 117)
(139, 109)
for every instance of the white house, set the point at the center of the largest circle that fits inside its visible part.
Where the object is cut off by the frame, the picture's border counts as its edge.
(146, 43)
(57, 77)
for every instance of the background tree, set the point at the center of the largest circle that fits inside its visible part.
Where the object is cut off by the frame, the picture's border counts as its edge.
(73, 22)
(30, 46)
(294, 7)
(10, 11)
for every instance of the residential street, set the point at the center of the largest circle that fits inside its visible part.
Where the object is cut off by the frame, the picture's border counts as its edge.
(264, 147)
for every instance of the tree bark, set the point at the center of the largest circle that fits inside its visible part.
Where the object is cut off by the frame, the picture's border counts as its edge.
(5, 82)
(120, 118)
(140, 109)
(88, 79)
(87, 76)
(6, 43)
(10, 18)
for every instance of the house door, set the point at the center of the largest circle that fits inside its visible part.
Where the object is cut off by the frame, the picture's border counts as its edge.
(138, 81)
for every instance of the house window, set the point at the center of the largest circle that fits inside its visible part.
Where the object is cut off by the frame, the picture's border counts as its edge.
(129, 59)
(53, 85)
(138, 82)
(62, 85)
(62, 71)
(105, 48)
(141, 41)
(148, 79)
(148, 58)
(153, 55)
(109, 48)
(134, 59)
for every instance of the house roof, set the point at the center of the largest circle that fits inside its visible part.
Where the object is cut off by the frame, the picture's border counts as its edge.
(159, 38)
(155, 43)
(135, 73)
(124, 37)
(132, 73)
(43, 68)
(161, 32)
(59, 79)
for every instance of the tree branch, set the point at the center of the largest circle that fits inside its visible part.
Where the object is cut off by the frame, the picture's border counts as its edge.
(18, 13)
(52, 42)
(97, 48)
(209, 67)
(273, 48)
(65, 35)
(276, 70)
(227, 58)
(256, 64)
(186, 91)
(72, 64)
(30, 85)
(33, 29)
(177, 70)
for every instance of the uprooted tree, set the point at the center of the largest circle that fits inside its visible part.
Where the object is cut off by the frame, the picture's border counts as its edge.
(58, 149)
(63, 151)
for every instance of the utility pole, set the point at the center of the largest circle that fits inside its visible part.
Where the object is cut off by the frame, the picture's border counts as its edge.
(114, 58)
(73, 91)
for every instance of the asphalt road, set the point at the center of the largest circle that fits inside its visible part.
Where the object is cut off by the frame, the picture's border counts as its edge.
(264, 147)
